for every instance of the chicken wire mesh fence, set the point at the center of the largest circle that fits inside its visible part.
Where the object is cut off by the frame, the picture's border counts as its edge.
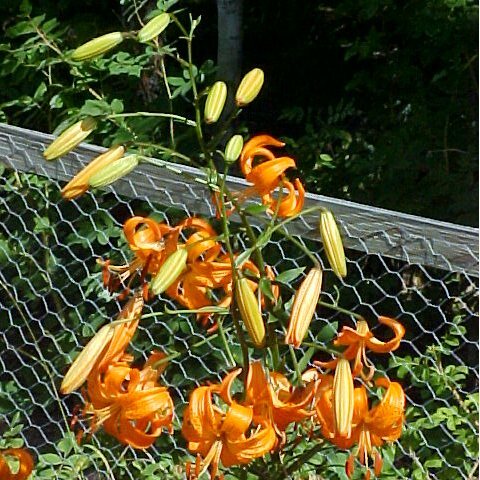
(420, 271)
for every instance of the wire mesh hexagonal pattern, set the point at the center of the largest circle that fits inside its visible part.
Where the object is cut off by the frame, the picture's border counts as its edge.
(420, 271)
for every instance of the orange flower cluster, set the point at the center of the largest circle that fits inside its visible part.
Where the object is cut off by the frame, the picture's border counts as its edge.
(370, 427)
(207, 277)
(128, 402)
(357, 341)
(337, 399)
(267, 173)
(25, 464)
(241, 431)
(151, 242)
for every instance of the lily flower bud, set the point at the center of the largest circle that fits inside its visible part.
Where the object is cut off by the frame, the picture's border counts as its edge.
(304, 305)
(249, 87)
(97, 46)
(233, 149)
(333, 243)
(250, 312)
(70, 138)
(215, 102)
(154, 27)
(343, 398)
(83, 364)
(113, 172)
(173, 266)
(79, 184)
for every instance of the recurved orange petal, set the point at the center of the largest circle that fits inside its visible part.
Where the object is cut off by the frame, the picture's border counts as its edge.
(267, 175)
(382, 347)
(254, 147)
(244, 450)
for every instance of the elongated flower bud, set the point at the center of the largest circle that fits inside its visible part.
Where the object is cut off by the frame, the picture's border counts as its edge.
(114, 171)
(97, 46)
(304, 306)
(249, 87)
(343, 398)
(79, 184)
(70, 138)
(333, 243)
(233, 149)
(83, 364)
(250, 312)
(154, 27)
(173, 266)
(215, 102)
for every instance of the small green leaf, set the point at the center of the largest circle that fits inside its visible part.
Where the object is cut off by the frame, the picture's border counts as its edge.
(289, 276)
(255, 209)
(51, 459)
(265, 286)
(40, 91)
(117, 105)
(95, 108)
(302, 364)
(243, 257)
(327, 332)
(42, 224)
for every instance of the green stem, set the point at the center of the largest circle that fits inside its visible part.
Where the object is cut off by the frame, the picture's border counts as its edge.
(295, 366)
(198, 116)
(226, 232)
(178, 118)
(172, 168)
(172, 356)
(102, 458)
(301, 246)
(212, 144)
(170, 151)
(332, 351)
(225, 343)
(331, 306)
(294, 467)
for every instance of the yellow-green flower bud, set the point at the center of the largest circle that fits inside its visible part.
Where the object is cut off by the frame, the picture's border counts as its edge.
(332, 243)
(114, 171)
(97, 46)
(343, 398)
(154, 27)
(233, 149)
(250, 312)
(215, 102)
(79, 184)
(70, 138)
(249, 87)
(304, 305)
(173, 266)
(83, 364)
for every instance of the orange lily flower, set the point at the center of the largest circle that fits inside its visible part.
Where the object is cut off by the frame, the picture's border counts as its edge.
(208, 278)
(275, 399)
(288, 205)
(371, 427)
(24, 459)
(129, 403)
(231, 436)
(146, 239)
(269, 174)
(357, 341)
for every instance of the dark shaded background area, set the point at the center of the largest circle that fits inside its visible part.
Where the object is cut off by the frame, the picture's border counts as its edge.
(377, 99)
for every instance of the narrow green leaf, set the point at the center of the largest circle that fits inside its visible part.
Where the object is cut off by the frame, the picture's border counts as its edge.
(289, 276)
